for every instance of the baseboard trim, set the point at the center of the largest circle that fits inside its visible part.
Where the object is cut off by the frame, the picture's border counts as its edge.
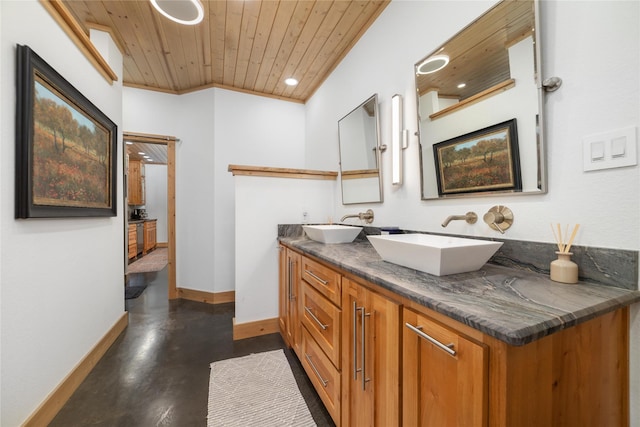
(162, 245)
(255, 329)
(52, 404)
(207, 297)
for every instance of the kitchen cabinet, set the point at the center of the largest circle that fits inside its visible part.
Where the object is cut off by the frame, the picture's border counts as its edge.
(132, 241)
(371, 358)
(150, 233)
(136, 183)
(289, 292)
(444, 379)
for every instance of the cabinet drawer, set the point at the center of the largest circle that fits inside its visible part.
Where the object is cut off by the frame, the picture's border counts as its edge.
(323, 375)
(322, 320)
(324, 279)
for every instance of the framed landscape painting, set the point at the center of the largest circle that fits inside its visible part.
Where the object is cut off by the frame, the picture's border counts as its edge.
(482, 161)
(65, 146)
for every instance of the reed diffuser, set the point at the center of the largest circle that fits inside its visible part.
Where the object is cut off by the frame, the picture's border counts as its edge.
(564, 270)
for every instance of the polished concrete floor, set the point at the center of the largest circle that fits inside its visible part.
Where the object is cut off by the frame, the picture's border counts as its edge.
(157, 371)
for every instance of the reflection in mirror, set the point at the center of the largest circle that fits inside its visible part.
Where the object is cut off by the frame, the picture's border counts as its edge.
(485, 75)
(359, 139)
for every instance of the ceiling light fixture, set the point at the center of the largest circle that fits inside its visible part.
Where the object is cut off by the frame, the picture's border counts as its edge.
(186, 12)
(433, 64)
(291, 81)
(461, 85)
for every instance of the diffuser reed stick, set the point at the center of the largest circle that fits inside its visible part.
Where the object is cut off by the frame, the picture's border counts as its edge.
(560, 239)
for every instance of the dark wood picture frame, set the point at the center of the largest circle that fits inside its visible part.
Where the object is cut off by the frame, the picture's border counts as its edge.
(486, 160)
(66, 148)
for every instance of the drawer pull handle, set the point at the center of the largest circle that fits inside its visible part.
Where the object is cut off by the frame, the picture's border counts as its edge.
(322, 380)
(324, 282)
(323, 326)
(446, 347)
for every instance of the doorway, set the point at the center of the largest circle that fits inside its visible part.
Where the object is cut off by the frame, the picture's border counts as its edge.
(163, 148)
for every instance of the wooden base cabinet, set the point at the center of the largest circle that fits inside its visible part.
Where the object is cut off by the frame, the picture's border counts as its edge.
(445, 376)
(150, 235)
(380, 359)
(132, 241)
(289, 293)
(371, 358)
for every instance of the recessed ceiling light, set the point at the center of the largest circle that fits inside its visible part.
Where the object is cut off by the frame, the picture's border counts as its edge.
(186, 12)
(433, 64)
(291, 81)
(129, 142)
(461, 85)
(141, 153)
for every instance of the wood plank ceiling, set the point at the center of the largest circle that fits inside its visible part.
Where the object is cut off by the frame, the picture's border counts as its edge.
(478, 53)
(246, 45)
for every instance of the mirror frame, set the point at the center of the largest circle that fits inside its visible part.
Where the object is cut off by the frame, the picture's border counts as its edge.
(542, 181)
(378, 149)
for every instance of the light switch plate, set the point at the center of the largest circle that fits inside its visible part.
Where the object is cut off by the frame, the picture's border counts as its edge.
(613, 149)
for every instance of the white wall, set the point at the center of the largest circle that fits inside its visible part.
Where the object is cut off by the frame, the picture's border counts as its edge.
(249, 130)
(599, 64)
(155, 178)
(61, 281)
(280, 201)
(216, 127)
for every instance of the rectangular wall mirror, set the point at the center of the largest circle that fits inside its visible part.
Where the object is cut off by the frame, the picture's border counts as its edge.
(486, 74)
(359, 139)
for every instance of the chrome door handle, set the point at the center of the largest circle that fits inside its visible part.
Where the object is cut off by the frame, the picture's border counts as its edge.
(322, 380)
(322, 325)
(446, 347)
(324, 282)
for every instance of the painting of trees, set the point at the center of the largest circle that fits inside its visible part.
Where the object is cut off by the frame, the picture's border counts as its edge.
(65, 147)
(485, 160)
(69, 153)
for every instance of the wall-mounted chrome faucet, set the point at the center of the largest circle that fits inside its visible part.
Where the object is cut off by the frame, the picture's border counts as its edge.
(470, 217)
(365, 216)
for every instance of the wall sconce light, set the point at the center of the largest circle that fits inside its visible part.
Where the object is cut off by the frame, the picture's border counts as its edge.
(399, 139)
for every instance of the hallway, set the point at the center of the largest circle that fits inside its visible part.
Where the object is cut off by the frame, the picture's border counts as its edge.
(157, 372)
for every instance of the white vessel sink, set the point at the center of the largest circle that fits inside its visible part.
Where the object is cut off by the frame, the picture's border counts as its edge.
(332, 233)
(437, 255)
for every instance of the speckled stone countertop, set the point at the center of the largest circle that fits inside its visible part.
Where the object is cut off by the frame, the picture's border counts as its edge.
(512, 305)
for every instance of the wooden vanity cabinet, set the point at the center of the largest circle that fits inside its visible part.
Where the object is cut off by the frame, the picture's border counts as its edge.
(289, 291)
(445, 375)
(575, 377)
(438, 371)
(371, 358)
(321, 331)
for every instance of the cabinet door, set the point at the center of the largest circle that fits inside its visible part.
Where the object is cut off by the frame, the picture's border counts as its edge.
(371, 375)
(133, 183)
(444, 376)
(132, 241)
(293, 291)
(283, 292)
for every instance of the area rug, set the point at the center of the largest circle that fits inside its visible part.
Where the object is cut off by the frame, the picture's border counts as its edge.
(131, 292)
(256, 390)
(153, 261)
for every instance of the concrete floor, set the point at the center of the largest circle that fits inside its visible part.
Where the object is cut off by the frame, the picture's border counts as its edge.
(157, 371)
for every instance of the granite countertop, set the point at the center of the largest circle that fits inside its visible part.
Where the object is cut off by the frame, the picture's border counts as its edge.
(512, 305)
